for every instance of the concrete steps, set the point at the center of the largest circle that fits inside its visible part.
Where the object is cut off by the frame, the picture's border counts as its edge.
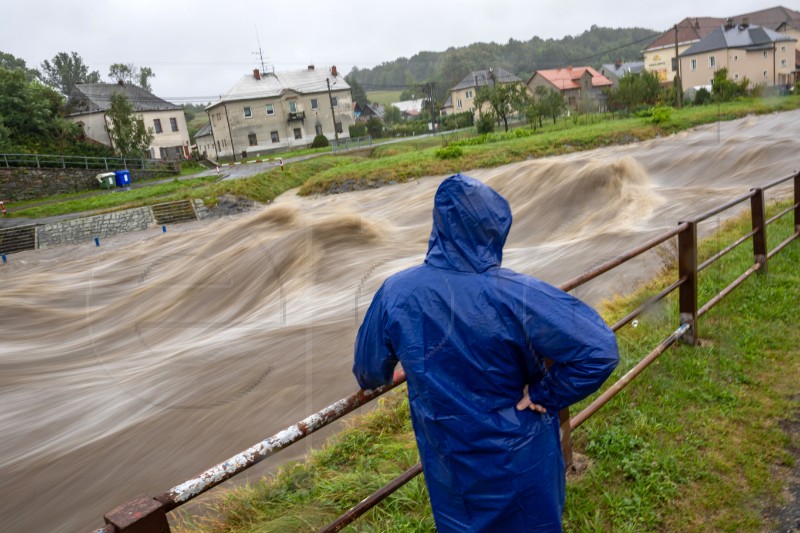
(17, 239)
(171, 212)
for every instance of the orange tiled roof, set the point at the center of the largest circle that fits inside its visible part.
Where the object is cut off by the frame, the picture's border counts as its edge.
(566, 78)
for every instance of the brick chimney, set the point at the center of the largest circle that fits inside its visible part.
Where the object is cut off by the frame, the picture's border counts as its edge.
(334, 72)
(120, 83)
(256, 74)
(618, 63)
(311, 67)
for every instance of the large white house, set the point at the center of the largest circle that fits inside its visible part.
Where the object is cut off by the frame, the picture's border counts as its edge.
(88, 104)
(268, 111)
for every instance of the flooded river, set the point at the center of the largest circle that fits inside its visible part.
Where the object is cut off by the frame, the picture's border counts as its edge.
(127, 368)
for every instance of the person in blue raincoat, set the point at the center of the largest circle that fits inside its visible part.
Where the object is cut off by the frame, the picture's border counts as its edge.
(472, 338)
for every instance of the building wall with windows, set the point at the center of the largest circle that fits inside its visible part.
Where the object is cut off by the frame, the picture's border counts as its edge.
(761, 67)
(291, 119)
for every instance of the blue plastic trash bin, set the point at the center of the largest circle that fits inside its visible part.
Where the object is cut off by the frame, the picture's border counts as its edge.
(123, 178)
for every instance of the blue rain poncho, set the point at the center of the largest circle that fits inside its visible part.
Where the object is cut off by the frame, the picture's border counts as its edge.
(470, 336)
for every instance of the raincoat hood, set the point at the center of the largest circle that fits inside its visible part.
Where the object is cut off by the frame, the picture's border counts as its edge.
(470, 225)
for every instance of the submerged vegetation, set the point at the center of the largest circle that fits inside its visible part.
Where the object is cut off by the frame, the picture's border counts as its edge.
(694, 444)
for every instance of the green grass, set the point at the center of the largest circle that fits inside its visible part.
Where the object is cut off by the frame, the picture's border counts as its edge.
(111, 201)
(384, 97)
(399, 162)
(693, 444)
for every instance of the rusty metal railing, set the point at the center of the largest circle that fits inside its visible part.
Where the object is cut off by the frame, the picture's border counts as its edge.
(148, 515)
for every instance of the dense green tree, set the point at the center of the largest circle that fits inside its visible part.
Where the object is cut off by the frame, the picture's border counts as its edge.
(65, 71)
(392, 115)
(31, 115)
(128, 133)
(724, 89)
(549, 102)
(634, 90)
(593, 47)
(130, 73)
(375, 127)
(10, 62)
(505, 99)
(357, 91)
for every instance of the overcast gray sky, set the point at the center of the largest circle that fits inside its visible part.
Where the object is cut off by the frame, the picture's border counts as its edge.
(199, 48)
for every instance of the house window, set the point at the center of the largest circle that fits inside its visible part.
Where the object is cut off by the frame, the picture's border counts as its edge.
(338, 126)
(157, 125)
(735, 76)
(173, 123)
(766, 54)
(712, 61)
(218, 146)
(458, 104)
(694, 64)
(318, 129)
(314, 104)
(783, 48)
(469, 95)
(270, 109)
(252, 139)
(735, 58)
(334, 101)
(766, 74)
(292, 107)
(247, 112)
(783, 63)
(275, 137)
(298, 134)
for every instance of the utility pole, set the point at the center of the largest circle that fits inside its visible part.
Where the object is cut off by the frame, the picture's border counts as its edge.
(678, 84)
(333, 113)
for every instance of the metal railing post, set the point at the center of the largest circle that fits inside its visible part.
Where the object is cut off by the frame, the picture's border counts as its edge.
(797, 202)
(757, 212)
(687, 268)
(140, 515)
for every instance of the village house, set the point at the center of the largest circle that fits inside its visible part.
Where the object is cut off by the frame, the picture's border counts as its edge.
(763, 56)
(88, 104)
(462, 96)
(660, 57)
(614, 71)
(582, 87)
(269, 111)
(204, 142)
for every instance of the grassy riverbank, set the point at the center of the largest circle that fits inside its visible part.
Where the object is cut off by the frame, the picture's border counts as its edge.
(415, 158)
(694, 444)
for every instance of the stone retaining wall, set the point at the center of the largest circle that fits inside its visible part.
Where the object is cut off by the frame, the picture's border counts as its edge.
(79, 230)
(17, 184)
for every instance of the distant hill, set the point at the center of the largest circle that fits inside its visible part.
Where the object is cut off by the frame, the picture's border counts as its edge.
(593, 47)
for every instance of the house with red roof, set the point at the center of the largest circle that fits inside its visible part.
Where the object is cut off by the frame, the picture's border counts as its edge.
(582, 87)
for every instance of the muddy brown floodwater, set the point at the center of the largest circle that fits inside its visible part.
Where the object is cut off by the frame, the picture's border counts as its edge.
(128, 368)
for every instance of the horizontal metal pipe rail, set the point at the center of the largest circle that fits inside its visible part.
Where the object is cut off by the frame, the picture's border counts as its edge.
(372, 500)
(212, 477)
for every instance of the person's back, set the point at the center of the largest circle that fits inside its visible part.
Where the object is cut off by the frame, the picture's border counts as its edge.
(470, 336)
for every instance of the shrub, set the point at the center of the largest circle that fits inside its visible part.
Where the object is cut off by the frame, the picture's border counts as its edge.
(449, 152)
(485, 123)
(661, 114)
(702, 97)
(375, 127)
(358, 130)
(320, 141)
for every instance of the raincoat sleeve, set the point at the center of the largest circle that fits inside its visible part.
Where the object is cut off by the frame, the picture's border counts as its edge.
(573, 335)
(375, 358)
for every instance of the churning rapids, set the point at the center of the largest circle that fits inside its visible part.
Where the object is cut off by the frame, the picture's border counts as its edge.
(129, 368)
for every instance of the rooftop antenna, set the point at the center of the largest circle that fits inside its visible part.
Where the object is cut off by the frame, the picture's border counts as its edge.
(260, 54)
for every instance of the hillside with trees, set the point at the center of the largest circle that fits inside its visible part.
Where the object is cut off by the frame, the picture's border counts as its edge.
(593, 48)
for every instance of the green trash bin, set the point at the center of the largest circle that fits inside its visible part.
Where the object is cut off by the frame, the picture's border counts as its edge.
(106, 180)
